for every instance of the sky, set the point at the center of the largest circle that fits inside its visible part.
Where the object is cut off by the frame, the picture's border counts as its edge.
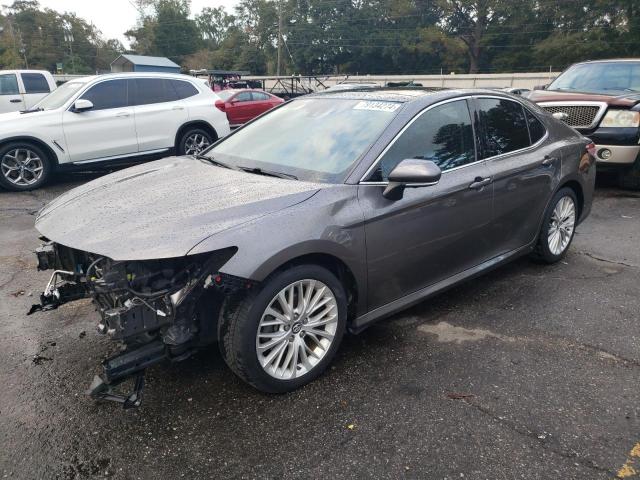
(114, 17)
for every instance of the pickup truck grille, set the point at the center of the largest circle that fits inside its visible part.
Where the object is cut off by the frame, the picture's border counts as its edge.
(579, 116)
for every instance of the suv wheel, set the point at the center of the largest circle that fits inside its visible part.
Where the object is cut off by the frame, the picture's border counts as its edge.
(23, 166)
(558, 228)
(194, 141)
(286, 334)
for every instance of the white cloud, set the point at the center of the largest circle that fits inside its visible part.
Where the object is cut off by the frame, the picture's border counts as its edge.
(114, 17)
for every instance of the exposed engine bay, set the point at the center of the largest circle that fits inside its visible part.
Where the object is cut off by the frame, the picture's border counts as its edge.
(159, 310)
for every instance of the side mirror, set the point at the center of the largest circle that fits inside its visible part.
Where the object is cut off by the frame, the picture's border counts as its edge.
(541, 87)
(82, 105)
(411, 173)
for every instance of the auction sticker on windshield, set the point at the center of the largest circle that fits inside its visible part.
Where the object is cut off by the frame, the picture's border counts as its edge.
(378, 106)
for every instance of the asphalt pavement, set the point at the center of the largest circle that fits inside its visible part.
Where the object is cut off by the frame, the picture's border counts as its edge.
(529, 372)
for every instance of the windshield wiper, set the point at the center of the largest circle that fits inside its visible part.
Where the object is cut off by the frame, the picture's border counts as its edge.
(268, 173)
(213, 161)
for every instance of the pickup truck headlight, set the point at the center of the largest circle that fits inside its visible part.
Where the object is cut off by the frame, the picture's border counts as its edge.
(621, 118)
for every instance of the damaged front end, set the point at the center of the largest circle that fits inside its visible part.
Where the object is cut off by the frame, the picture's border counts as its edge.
(158, 309)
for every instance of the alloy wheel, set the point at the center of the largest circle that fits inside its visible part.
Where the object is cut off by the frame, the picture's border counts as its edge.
(21, 166)
(195, 143)
(561, 225)
(297, 329)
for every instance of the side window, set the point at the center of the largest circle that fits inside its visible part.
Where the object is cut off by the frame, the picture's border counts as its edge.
(536, 128)
(505, 127)
(184, 89)
(443, 135)
(258, 96)
(153, 90)
(242, 97)
(106, 95)
(35, 83)
(9, 84)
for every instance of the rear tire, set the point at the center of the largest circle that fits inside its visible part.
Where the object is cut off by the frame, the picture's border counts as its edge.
(24, 166)
(278, 349)
(193, 141)
(558, 227)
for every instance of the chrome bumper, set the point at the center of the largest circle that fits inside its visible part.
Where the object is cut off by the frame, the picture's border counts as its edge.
(617, 154)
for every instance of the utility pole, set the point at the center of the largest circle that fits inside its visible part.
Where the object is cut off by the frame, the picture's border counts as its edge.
(68, 37)
(279, 37)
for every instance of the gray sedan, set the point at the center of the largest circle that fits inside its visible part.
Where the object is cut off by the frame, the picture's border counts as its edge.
(324, 215)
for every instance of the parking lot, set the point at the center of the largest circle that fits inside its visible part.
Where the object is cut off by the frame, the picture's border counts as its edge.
(528, 372)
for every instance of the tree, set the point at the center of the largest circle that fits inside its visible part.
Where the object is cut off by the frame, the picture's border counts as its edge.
(469, 21)
(37, 38)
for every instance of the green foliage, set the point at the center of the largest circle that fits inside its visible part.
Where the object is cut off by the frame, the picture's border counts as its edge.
(336, 36)
(36, 38)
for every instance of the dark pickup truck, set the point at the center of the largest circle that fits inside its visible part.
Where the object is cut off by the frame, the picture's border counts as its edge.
(601, 99)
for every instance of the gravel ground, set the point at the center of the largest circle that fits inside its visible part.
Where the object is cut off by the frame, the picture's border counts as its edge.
(529, 372)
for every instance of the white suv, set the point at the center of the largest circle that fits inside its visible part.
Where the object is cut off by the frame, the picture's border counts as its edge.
(107, 120)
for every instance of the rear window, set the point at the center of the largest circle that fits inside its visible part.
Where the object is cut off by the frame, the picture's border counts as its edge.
(147, 91)
(504, 124)
(8, 84)
(184, 89)
(536, 129)
(35, 83)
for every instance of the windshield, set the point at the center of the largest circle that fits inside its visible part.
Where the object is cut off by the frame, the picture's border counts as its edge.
(602, 77)
(59, 96)
(225, 94)
(314, 139)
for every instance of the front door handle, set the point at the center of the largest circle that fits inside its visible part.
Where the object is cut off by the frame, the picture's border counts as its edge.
(548, 160)
(123, 114)
(15, 100)
(480, 183)
(178, 107)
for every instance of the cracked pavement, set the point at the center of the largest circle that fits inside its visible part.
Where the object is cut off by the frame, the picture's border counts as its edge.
(528, 372)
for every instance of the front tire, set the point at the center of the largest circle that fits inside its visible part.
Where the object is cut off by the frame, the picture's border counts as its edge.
(194, 141)
(285, 334)
(558, 227)
(23, 166)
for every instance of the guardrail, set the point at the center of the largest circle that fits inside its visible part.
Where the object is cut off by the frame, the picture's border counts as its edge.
(494, 80)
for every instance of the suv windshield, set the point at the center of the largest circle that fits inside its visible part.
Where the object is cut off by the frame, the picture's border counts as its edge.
(314, 139)
(59, 96)
(602, 77)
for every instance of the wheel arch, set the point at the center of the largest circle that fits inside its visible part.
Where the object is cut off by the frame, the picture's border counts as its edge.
(35, 141)
(336, 266)
(195, 124)
(577, 189)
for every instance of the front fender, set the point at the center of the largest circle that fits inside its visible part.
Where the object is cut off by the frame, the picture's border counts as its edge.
(329, 223)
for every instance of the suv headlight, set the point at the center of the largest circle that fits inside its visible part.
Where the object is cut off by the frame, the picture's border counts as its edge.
(621, 118)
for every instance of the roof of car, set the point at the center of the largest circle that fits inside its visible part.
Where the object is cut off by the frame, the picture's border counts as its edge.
(377, 94)
(606, 60)
(178, 76)
(421, 95)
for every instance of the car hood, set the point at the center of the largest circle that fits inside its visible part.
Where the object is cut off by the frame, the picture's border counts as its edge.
(163, 209)
(541, 96)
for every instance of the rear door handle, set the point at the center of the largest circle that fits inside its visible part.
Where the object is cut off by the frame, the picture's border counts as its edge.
(480, 183)
(177, 107)
(15, 100)
(548, 160)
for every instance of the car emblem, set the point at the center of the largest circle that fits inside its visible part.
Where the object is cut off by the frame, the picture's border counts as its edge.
(561, 115)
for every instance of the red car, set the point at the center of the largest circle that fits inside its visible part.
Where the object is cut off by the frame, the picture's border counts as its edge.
(244, 105)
